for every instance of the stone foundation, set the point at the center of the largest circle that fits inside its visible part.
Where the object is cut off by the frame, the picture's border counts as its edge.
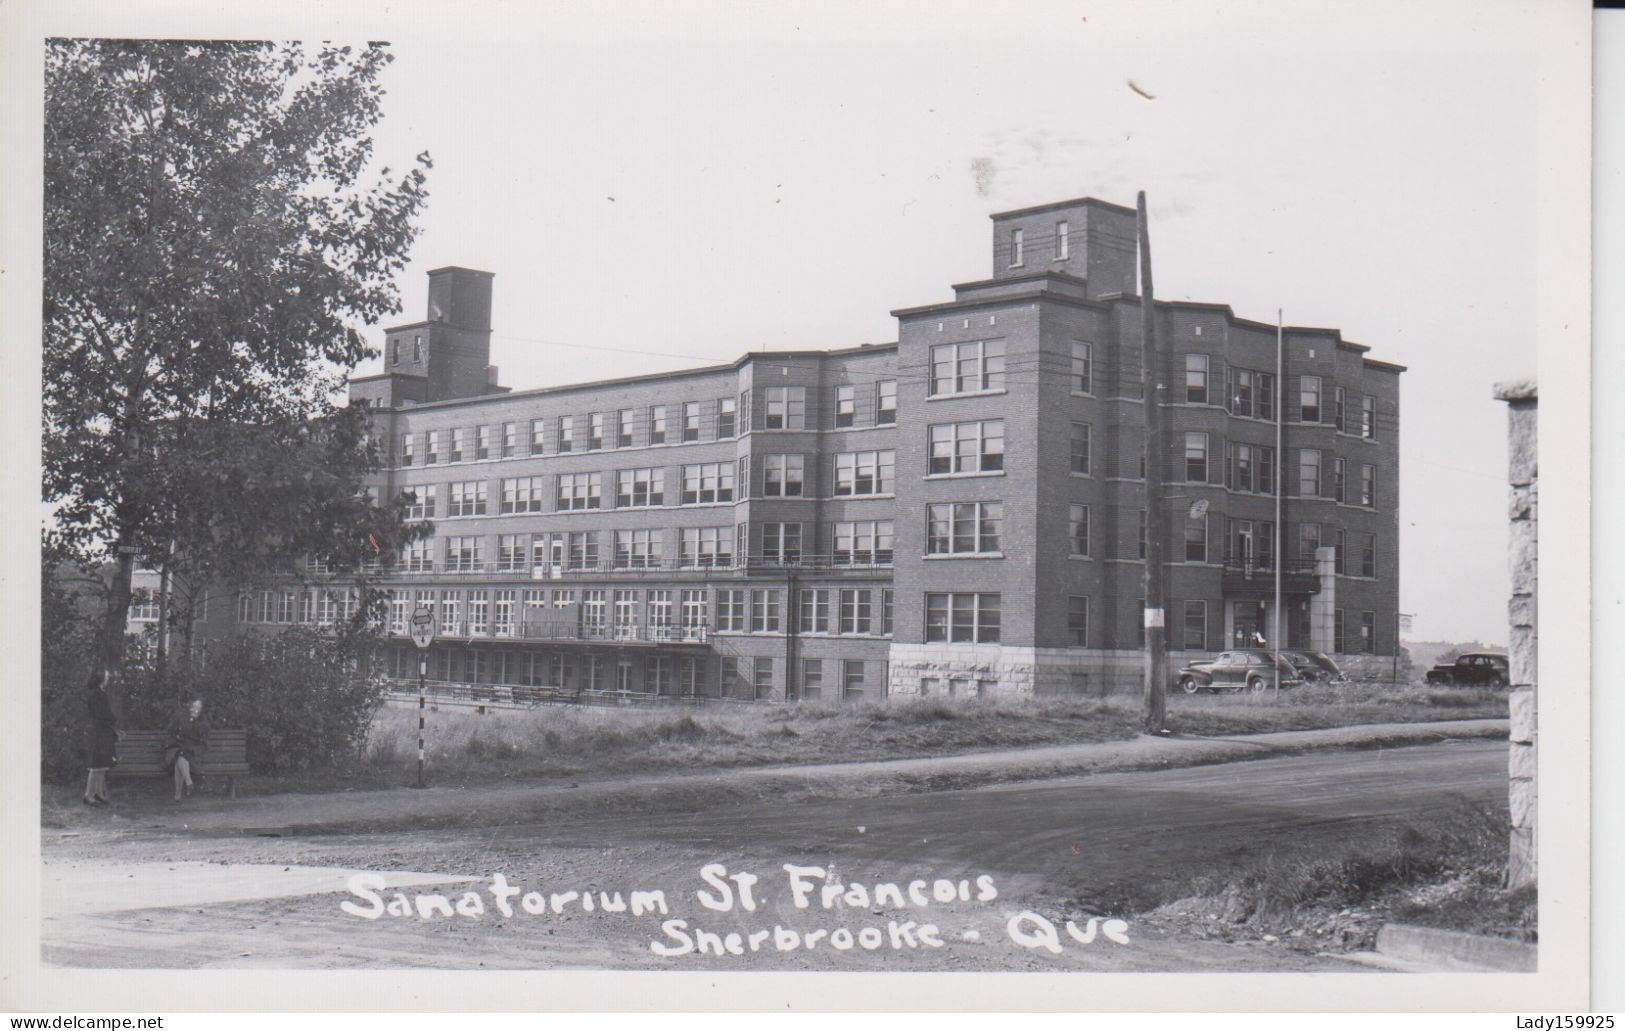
(992, 670)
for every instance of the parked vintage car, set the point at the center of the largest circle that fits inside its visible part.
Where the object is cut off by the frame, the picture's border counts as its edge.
(1315, 667)
(1251, 668)
(1472, 669)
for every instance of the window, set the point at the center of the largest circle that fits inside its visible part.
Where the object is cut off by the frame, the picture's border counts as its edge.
(1077, 530)
(1196, 366)
(1063, 243)
(762, 677)
(846, 404)
(146, 611)
(1339, 552)
(967, 447)
(855, 614)
(964, 528)
(418, 557)
(1309, 398)
(1077, 620)
(963, 368)
(1252, 394)
(1368, 632)
(523, 494)
(1368, 486)
(431, 447)
(708, 483)
(456, 453)
(726, 425)
(417, 348)
(764, 612)
(420, 503)
(706, 547)
(626, 605)
(567, 433)
(782, 476)
(781, 543)
(406, 449)
(691, 420)
(731, 609)
(624, 424)
(1368, 555)
(513, 552)
(579, 491)
(502, 605)
(1195, 625)
(865, 472)
(1266, 396)
(1339, 470)
(693, 608)
(1196, 539)
(1339, 639)
(463, 554)
(640, 488)
(852, 683)
(538, 436)
(886, 610)
(395, 351)
(1196, 457)
(1017, 247)
(479, 610)
(812, 679)
(1082, 446)
(581, 550)
(813, 617)
(1339, 409)
(1308, 541)
(592, 612)
(962, 618)
(657, 671)
(482, 443)
(1082, 367)
(1141, 549)
(886, 402)
(637, 549)
(863, 543)
(1368, 418)
(1308, 473)
(467, 499)
(786, 408)
(595, 431)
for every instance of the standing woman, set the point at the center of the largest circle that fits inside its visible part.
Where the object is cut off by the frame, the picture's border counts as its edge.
(104, 735)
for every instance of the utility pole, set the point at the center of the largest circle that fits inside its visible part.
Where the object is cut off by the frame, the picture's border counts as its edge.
(1279, 533)
(1156, 622)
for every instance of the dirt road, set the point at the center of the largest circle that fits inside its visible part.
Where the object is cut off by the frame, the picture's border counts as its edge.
(1057, 849)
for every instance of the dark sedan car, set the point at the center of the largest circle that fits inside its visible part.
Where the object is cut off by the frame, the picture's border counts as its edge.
(1472, 669)
(1250, 668)
(1315, 667)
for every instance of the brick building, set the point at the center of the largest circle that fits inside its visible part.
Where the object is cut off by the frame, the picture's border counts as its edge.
(960, 511)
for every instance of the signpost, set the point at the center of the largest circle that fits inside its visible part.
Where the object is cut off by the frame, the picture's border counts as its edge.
(422, 636)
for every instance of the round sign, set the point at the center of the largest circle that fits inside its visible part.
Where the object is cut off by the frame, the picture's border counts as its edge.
(423, 626)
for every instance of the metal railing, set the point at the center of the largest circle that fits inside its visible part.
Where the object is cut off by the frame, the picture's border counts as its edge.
(565, 630)
(855, 562)
(523, 696)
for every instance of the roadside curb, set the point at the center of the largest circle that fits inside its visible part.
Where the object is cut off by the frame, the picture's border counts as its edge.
(1437, 949)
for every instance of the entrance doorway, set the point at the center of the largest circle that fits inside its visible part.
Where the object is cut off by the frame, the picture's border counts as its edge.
(1249, 624)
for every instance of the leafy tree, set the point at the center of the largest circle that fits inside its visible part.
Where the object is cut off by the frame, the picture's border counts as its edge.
(213, 237)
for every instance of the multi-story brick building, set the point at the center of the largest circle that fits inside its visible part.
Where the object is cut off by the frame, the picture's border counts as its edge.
(960, 511)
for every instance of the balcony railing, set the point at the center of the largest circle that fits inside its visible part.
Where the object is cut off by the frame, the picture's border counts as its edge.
(1253, 574)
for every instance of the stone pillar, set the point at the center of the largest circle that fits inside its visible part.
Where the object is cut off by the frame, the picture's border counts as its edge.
(1323, 604)
(1523, 473)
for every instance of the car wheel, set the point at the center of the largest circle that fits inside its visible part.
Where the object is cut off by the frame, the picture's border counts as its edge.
(1189, 684)
(1255, 684)
(1498, 681)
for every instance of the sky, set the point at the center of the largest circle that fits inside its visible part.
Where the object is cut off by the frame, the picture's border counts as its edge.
(654, 193)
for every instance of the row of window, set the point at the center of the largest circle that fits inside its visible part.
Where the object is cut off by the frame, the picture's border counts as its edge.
(853, 543)
(783, 408)
(736, 676)
(854, 474)
(1251, 467)
(1252, 394)
(1192, 632)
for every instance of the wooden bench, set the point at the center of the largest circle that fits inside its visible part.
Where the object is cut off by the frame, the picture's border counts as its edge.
(141, 754)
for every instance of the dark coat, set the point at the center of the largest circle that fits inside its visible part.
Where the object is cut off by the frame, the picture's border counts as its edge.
(103, 730)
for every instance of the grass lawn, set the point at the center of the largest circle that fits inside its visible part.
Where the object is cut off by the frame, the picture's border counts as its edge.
(555, 740)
